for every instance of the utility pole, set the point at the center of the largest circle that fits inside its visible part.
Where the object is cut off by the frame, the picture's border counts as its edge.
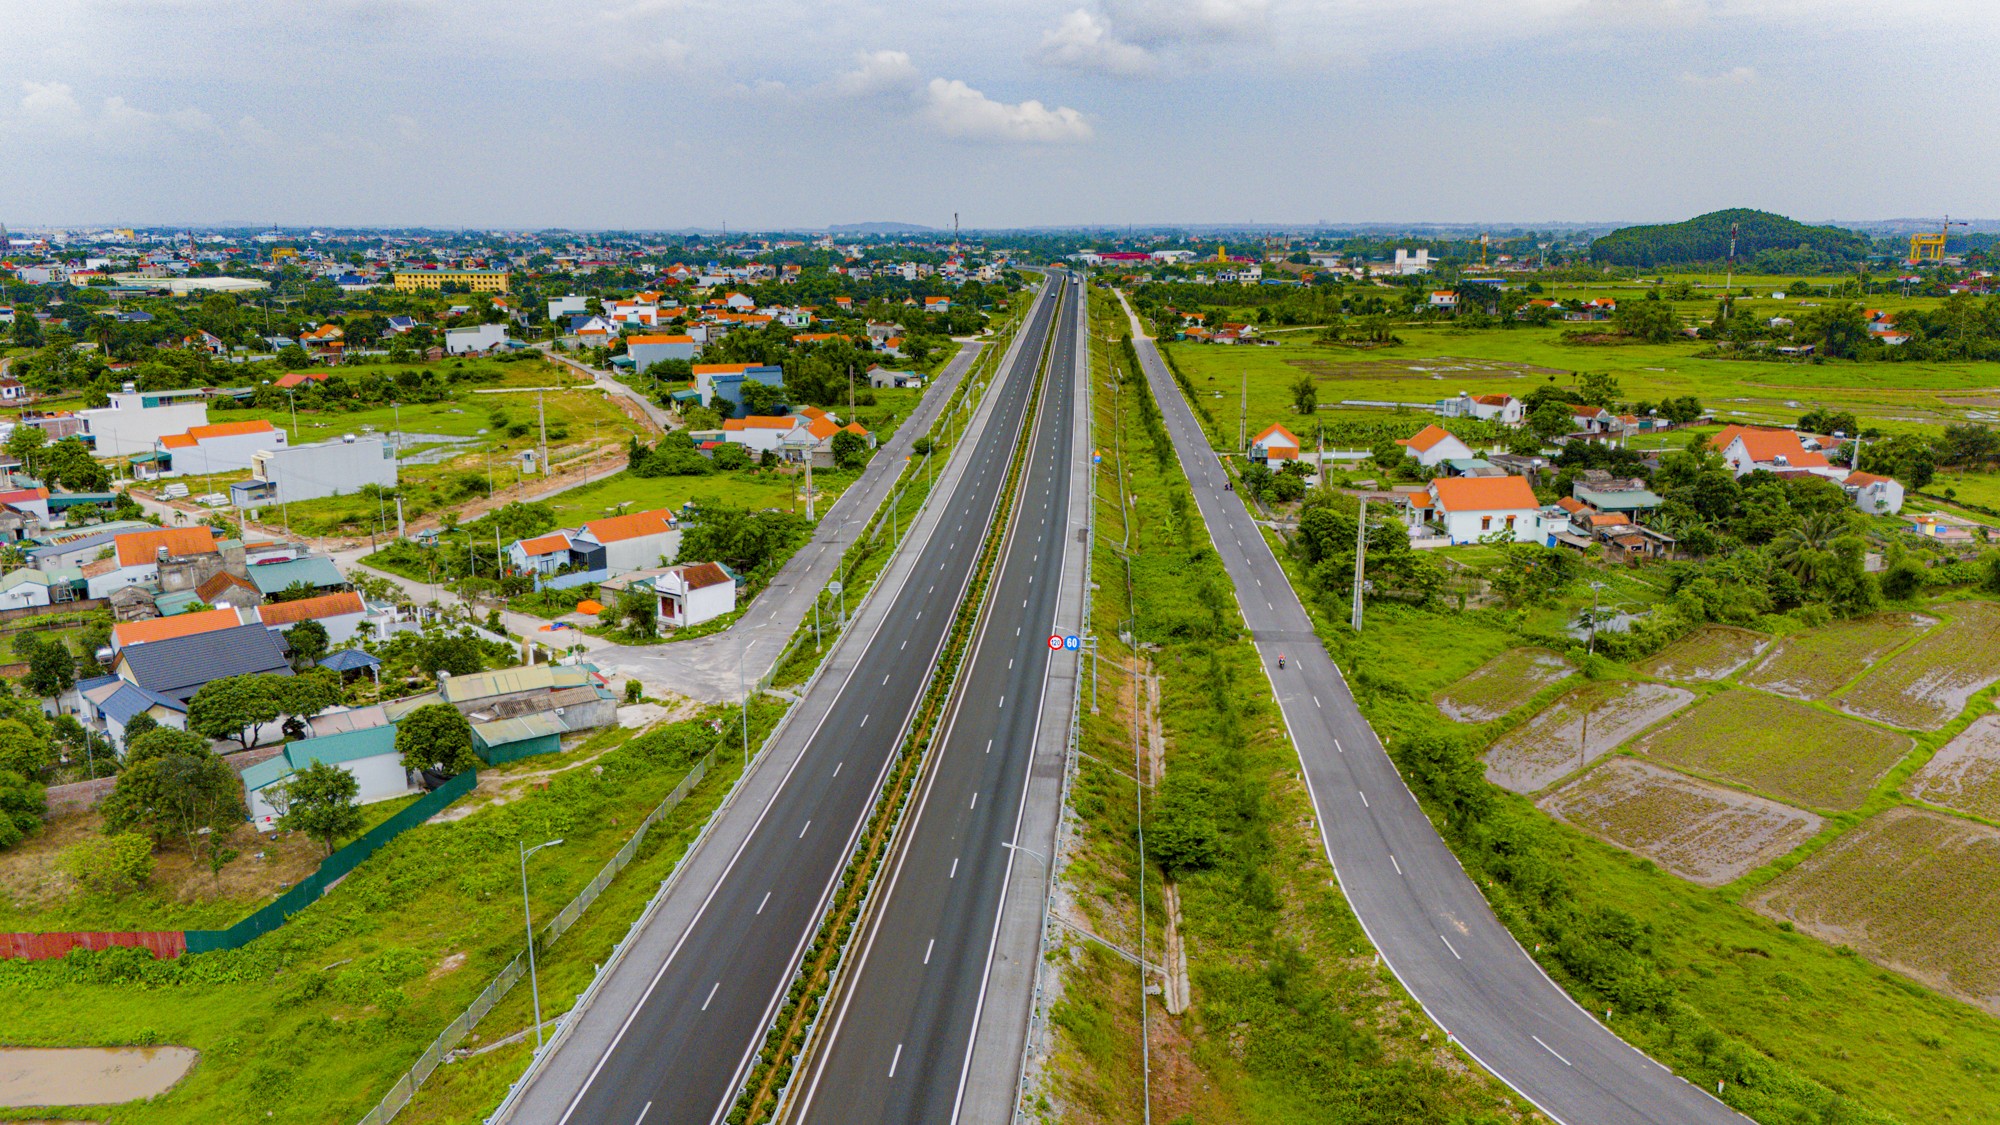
(1243, 418)
(401, 531)
(1360, 558)
(1591, 648)
(542, 417)
(850, 392)
(809, 483)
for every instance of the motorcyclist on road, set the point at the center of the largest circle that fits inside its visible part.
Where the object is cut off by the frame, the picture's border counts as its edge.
(1281, 663)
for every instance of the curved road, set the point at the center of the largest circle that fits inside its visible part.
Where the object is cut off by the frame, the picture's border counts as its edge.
(1419, 908)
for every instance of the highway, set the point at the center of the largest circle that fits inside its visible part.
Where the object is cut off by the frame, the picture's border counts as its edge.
(1420, 910)
(900, 1043)
(671, 1036)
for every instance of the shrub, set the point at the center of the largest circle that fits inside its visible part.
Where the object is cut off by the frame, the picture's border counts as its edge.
(110, 865)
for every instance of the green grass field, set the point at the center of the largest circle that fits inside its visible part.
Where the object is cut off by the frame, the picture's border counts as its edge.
(1773, 745)
(1813, 664)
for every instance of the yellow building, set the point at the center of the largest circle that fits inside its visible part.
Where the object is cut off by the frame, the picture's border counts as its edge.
(475, 281)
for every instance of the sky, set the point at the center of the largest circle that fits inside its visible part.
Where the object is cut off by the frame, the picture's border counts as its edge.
(785, 114)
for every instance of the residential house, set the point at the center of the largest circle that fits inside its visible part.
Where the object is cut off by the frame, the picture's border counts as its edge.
(1619, 495)
(273, 578)
(879, 376)
(1470, 508)
(542, 554)
(340, 614)
(694, 593)
(722, 383)
(574, 694)
(1941, 527)
(1749, 448)
(135, 422)
(25, 589)
(226, 588)
(177, 667)
(1444, 300)
(628, 542)
(648, 350)
(1433, 445)
(337, 467)
(368, 753)
(1504, 409)
(1875, 495)
(139, 555)
(108, 705)
(219, 447)
(126, 634)
(477, 339)
(1275, 444)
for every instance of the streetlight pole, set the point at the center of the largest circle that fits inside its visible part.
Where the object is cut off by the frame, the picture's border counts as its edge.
(528, 920)
(289, 397)
(742, 656)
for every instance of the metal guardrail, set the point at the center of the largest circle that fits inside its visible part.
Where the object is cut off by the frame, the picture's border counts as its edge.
(410, 1081)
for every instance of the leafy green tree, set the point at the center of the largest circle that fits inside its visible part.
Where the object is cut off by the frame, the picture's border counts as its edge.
(1823, 421)
(234, 708)
(51, 668)
(1184, 835)
(1597, 388)
(1305, 394)
(300, 697)
(139, 725)
(1551, 420)
(172, 786)
(319, 801)
(742, 539)
(436, 737)
(457, 653)
(1840, 329)
(1387, 455)
(68, 464)
(24, 751)
(21, 808)
(1651, 319)
(25, 442)
(730, 456)
(638, 611)
(1535, 575)
(308, 641)
(761, 398)
(1967, 444)
(850, 450)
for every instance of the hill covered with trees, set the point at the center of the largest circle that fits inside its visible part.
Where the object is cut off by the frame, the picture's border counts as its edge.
(1766, 242)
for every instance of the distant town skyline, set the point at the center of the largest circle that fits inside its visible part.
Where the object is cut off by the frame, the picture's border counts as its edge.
(776, 114)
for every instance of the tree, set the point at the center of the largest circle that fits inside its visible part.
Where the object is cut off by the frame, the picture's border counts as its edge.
(850, 450)
(731, 455)
(110, 865)
(300, 697)
(319, 801)
(308, 641)
(1967, 444)
(1840, 329)
(1597, 388)
(436, 737)
(68, 463)
(760, 398)
(235, 708)
(138, 725)
(173, 785)
(1535, 575)
(1551, 420)
(21, 806)
(51, 668)
(25, 442)
(1305, 394)
(638, 610)
(1387, 455)
(1651, 320)
(24, 751)
(457, 653)
(1823, 421)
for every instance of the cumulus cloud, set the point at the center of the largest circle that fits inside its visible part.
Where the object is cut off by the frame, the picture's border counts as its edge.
(1734, 76)
(878, 72)
(1085, 41)
(1173, 21)
(958, 110)
(53, 108)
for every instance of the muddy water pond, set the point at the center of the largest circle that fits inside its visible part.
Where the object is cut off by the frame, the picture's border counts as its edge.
(38, 1076)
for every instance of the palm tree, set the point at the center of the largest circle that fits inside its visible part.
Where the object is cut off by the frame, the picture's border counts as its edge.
(1806, 548)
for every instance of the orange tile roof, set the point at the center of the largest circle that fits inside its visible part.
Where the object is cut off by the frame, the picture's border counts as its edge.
(310, 609)
(1483, 494)
(1607, 520)
(1426, 438)
(136, 548)
(821, 428)
(225, 584)
(1281, 453)
(1494, 400)
(1863, 480)
(196, 434)
(618, 528)
(759, 422)
(1571, 504)
(1275, 429)
(721, 368)
(659, 339)
(856, 428)
(179, 625)
(701, 575)
(545, 544)
(1769, 445)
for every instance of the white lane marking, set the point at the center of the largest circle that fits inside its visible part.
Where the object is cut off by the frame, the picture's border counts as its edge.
(954, 868)
(1315, 701)
(1336, 746)
(1550, 1050)
(927, 950)
(1010, 662)
(1364, 799)
(894, 1061)
(989, 746)
(1397, 866)
(711, 995)
(802, 831)
(885, 680)
(864, 722)
(1003, 701)
(766, 902)
(1017, 630)
(643, 1113)
(902, 646)
(836, 768)
(975, 800)
(1447, 945)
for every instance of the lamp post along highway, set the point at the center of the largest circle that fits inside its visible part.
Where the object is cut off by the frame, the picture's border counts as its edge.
(528, 921)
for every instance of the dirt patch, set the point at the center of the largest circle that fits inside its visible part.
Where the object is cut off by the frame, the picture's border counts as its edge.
(32, 876)
(1965, 774)
(1814, 664)
(1577, 729)
(1928, 684)
(448, 966)
(1912, 890)
(39, 1076)
(1703, 833)
(1502, 684)
(1789, 750)
(1709, 653)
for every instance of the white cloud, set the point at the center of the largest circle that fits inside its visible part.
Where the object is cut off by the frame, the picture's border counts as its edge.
(1084, 41)
(1735, 76)
(879, 72)
(1174, 21)
(49, 99)
(52, 109)
(958, 110)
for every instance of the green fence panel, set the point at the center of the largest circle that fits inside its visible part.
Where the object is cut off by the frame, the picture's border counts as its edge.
(308, 890)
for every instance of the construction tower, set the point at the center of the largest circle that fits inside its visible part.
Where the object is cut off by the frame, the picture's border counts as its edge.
(1928, 247)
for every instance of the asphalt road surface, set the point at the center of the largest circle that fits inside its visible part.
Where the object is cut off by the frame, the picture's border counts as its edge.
(903, 1025)
(1418, 906)
(686, 1048)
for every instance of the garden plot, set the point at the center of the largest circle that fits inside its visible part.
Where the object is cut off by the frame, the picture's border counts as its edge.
(1813, 664)
(1709, 653)
(1912, 890)
(1550, 745)
(1776, 746)
(1502, 684)
(1965, 775)
(1926, 685)
(1703, 833)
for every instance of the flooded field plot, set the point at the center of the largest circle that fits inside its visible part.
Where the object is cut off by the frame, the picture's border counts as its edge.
(1542, 750)
(1912, 890)
(1704, 833)
(1928, 684)
(1502, 684)
(1965, 774)
(1812, 664)
(1709, 653)
(1776, 746)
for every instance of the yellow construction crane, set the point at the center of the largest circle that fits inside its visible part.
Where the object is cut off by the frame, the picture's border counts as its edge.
(1482, 251)
(1928, 247)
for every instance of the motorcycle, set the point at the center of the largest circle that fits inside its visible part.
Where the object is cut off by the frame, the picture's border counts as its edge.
(1281, 664)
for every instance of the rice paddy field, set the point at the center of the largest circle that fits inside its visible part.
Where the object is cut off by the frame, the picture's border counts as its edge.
(1911, 889)
(1583, 725)
(1816, 663)
(1965, 773)
(1709, 653)
(1793, 752)
(1704, 833)
(1928, 684)
(1502, 684)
